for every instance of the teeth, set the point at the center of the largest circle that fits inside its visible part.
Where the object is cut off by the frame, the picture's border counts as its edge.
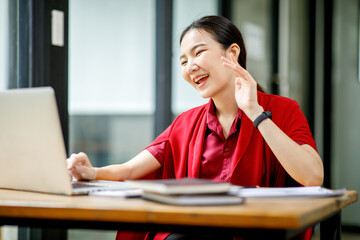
(197, 80)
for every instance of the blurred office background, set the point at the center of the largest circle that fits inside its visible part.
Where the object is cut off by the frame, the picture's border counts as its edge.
(115, 68)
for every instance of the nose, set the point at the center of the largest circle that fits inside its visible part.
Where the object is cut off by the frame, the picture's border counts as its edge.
(192, 67)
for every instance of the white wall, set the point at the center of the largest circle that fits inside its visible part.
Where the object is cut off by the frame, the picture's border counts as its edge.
(185, 12)
(111, 56)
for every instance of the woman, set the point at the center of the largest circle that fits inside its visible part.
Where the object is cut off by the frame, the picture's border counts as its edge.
(243, 135)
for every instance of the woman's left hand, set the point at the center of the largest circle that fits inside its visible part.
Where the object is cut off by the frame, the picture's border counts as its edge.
(245, 88)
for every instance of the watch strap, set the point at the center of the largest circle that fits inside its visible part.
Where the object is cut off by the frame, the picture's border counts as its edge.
(264, 115)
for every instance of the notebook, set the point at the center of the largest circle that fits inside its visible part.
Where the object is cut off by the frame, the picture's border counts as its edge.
(188, 191)
(32, 150)
(194, 199)
(181, 186)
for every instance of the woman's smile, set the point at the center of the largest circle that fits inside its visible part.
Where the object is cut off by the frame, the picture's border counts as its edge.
(200, 80)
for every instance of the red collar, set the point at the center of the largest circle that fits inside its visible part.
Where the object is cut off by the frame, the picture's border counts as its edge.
(213, 123)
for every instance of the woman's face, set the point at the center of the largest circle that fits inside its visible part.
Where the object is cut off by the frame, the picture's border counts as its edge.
(202, 66)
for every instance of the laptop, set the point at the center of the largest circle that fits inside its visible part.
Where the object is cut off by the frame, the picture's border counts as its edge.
(32, 150)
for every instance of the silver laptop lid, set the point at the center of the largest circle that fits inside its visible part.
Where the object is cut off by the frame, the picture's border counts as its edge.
(32, 151)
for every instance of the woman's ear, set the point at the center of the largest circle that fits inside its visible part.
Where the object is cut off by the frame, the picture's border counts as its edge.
(234, 49)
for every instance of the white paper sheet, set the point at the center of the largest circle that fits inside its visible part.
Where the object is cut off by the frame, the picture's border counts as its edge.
(289, 192)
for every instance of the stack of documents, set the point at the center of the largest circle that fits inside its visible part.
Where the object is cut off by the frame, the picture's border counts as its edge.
(194, 191)
(187, 191)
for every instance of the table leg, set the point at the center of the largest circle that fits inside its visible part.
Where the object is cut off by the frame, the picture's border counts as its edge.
(330, 229)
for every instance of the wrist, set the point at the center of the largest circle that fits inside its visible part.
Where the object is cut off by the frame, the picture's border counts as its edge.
(254, 113)
(95, 173)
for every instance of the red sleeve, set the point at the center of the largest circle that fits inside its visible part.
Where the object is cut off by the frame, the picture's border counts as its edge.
(158, 151)
(161, 150)
(287, 115)
(158, 147)
(294, 124)
(297, 127)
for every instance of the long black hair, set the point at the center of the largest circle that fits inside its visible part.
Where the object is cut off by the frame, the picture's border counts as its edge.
(224, 32)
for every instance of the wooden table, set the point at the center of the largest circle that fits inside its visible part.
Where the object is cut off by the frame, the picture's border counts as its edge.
(280, 217)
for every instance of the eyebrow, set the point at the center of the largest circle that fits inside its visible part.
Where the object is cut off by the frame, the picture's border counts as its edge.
(192, 49)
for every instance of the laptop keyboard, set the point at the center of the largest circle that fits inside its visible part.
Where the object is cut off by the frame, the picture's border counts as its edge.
(77, 185)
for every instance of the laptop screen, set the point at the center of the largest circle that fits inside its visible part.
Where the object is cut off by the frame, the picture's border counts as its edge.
(32, 151)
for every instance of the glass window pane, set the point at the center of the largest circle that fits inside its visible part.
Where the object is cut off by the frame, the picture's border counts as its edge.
(3, 44)
(111, 76)
(298, 53)
(253, 18)
(111, 56)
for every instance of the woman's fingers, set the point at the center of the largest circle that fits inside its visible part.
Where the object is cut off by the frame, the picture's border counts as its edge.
(75, 159)
(233, 65)
(85, 172)
(245, 84)
(241, 72)
(80, 167)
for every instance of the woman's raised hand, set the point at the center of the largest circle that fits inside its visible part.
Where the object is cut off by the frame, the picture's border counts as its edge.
(245, 88)
(80, 167)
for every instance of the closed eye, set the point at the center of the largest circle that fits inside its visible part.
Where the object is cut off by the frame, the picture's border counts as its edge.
(199, 52)
(183, 63)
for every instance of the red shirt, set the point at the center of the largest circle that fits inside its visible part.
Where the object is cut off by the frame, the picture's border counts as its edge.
(253, 163)
(218, 151)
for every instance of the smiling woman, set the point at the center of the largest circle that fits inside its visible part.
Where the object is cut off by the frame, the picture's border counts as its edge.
(242, 135)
